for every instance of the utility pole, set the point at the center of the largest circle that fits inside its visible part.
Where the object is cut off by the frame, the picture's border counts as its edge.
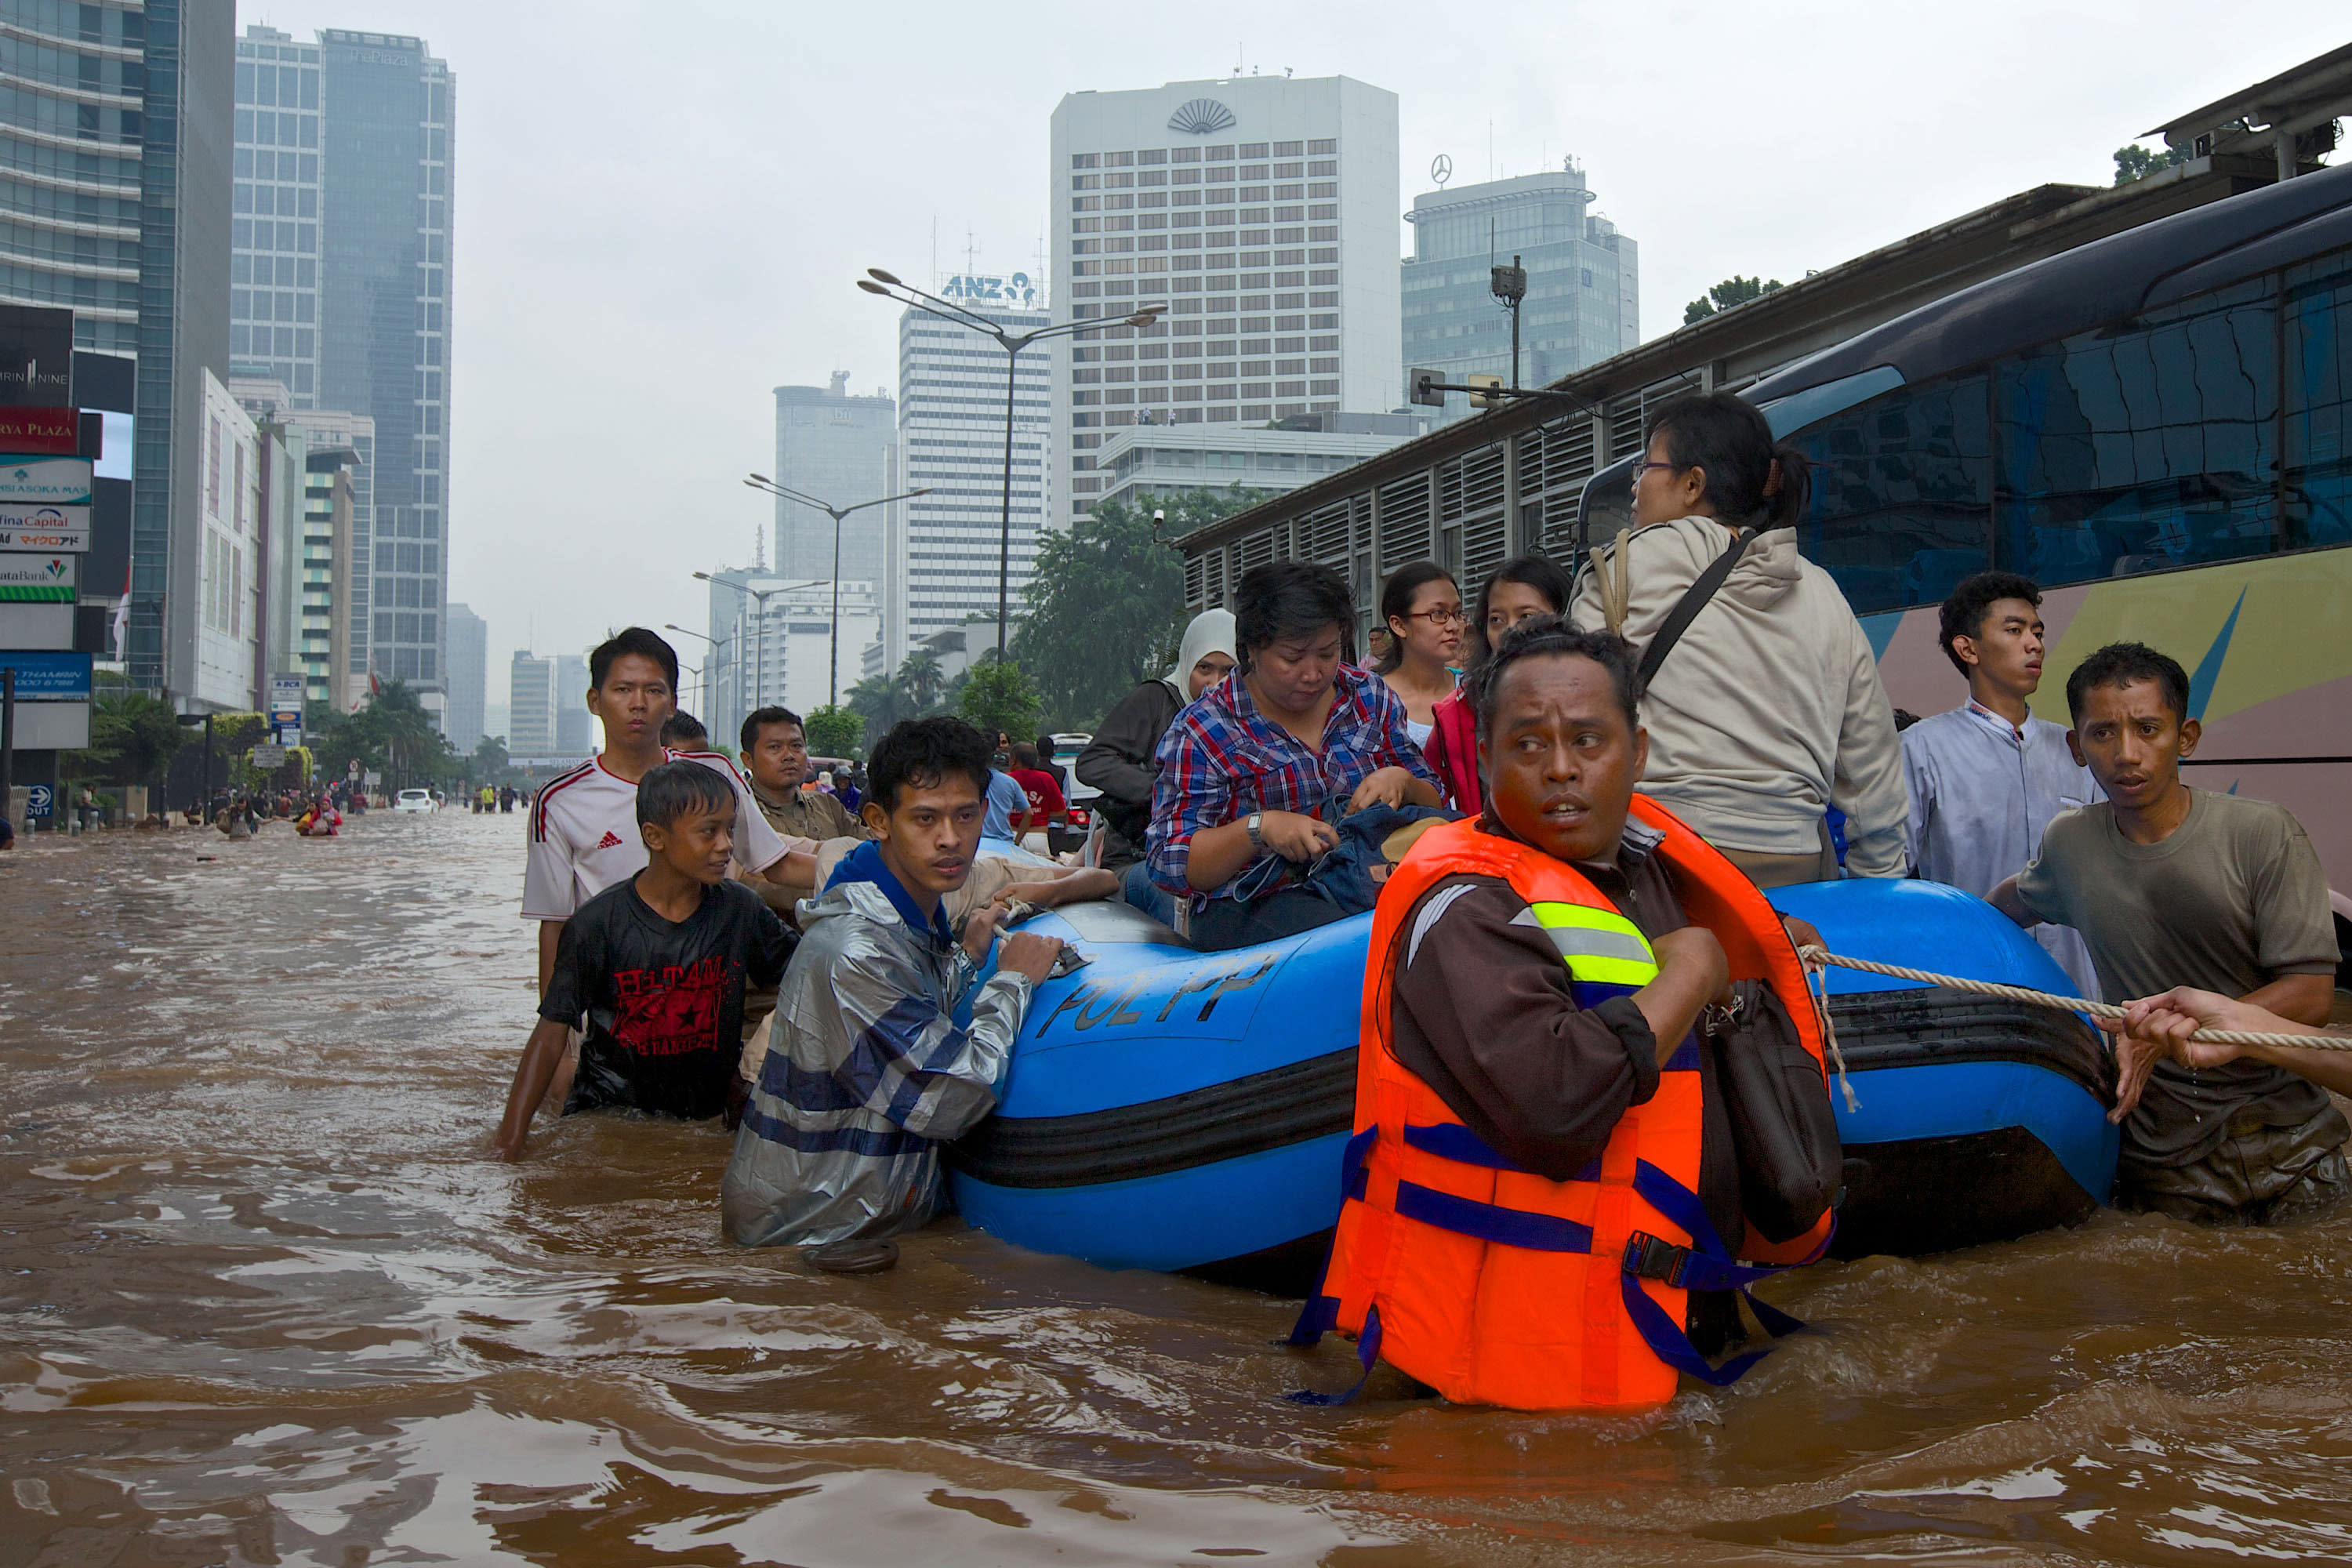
(8, 745)
(1510, 287)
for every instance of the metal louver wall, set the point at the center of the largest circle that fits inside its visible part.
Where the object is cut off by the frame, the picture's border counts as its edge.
(1404, 522)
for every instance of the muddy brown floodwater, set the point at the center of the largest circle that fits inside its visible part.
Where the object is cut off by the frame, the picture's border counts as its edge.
(262, 1300)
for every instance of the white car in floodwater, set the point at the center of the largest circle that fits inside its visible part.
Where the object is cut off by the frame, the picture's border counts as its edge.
(413, 800)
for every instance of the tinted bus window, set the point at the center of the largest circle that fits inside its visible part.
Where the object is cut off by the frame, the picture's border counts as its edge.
(1901, 492)
(2144, 446)
(2319, 402)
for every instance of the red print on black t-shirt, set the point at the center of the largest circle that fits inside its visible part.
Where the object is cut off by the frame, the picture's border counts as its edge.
(672, 1010)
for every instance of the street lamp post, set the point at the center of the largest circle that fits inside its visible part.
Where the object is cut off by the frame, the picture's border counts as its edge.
(759, 620)
(763, 483)
(878, 282)
(702, 681)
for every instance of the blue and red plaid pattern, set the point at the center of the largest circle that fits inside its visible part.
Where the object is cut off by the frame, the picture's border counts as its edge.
(1222, 759)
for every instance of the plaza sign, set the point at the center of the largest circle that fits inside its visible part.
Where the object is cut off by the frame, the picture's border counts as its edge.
(53, 431)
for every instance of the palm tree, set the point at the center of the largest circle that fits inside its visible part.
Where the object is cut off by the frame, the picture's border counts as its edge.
(920, 681)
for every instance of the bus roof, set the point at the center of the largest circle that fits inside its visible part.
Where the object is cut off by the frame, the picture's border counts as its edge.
(2091, 285)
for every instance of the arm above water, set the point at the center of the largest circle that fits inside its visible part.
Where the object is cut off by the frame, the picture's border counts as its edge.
(901, 1056)
(541, 1054)
(2162, 1025)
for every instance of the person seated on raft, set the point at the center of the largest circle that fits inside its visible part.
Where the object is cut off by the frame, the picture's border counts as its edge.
(2160, 1027)
(1253, 773)
(1521, 588)
(2172, 886)
(1543, 970)
(657, 964)
(867, 1071)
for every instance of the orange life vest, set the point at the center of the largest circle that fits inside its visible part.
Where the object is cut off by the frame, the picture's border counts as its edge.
(1495, 1284)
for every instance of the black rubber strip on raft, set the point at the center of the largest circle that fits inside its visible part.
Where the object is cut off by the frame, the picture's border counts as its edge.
(1933, 1195)
(1880, 1029)
(1223, 1121)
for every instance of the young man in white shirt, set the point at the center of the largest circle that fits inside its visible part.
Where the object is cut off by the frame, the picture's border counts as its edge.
(584, 834)
(1986, 778)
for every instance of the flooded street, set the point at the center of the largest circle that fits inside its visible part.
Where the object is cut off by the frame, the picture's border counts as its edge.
(264, 1301)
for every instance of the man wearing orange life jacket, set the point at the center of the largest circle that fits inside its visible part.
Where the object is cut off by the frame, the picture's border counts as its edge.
(1542, 1201)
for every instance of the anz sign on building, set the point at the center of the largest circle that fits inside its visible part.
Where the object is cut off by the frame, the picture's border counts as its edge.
(1013, 291)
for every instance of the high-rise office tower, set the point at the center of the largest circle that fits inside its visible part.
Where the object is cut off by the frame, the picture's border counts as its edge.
(468, 638)
(943, 547)
(531, 704)
(1262, 210)
(575, 727)
(342, 291)
(114, 167)
(834, 447)
(1583, 298)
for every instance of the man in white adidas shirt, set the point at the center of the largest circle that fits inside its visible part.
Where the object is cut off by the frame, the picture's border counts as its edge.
(584, 834)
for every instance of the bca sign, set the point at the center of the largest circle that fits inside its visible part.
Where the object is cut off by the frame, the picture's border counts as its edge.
(1012, 289)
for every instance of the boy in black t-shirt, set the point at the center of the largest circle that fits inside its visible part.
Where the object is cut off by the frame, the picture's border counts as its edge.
(658, 966)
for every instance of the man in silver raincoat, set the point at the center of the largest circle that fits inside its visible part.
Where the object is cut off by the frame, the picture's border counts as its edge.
(867, 1070)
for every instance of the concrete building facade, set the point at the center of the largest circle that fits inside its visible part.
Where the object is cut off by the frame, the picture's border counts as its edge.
(1146, 460)
(575, 727)
(1583, 298)
(531, 708)
(468, 639)
(1263, 211)
(836, 447)
(942, 548)
(229, 566)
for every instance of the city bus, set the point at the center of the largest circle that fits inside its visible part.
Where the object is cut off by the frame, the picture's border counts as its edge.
(2156, 426)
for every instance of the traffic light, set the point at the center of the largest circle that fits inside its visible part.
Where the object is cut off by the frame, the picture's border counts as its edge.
(1486, 399)
(1424, 388)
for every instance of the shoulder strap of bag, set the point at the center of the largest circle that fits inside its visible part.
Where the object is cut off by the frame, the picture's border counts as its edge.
(1694, 600)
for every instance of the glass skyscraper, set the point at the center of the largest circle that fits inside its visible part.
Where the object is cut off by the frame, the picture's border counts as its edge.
(341, 292)
(836, 447)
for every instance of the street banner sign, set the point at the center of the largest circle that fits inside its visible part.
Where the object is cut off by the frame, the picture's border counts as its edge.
(54, 481)
(55, 432)
(40, 801)
(268, 758)
(49, 677)
(25, 526)
(42, 579)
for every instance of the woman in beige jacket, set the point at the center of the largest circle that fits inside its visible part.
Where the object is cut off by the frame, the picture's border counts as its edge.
(1768, 711)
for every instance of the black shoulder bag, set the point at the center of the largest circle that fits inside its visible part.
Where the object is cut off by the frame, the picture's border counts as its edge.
(1783, 1128)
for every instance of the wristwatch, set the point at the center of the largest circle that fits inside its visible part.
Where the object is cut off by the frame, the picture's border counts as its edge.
(1256, 838)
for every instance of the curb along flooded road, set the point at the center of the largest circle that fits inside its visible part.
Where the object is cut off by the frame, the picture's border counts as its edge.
(262, 1299)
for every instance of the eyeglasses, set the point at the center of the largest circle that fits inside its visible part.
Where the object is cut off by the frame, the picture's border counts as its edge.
(1440, 617)
(1641, 469)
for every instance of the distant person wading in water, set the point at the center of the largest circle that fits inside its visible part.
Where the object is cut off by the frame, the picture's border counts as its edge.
(1768, 709)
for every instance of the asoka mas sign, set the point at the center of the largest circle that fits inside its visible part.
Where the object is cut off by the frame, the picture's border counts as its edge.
(44, 528)
(38, 481)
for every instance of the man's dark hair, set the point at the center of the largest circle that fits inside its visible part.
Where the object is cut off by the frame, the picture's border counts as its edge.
(2120, 663)
(1024, 755)
(683, 731)
(760, 718)
(923, 752)
(1972, 599)
(1540, 636)
(670, 791)
(1045, 747)
(636, 640)
(1725, 435)
(1284, 599)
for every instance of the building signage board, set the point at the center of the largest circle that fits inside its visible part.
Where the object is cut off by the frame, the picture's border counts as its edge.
(50, 432)
(1012, 289)
(38, 579)
(49, 677)
(44, 528)
(285, 692)
(36, 356)
(268, 758)
(285, 722)
(52, 481)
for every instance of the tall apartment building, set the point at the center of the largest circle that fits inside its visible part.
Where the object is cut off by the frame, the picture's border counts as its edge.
(943, 547)
(341, 291)
(468, 636)
(229, 562)
(328, 566)
(310, 511)
(1583, 298)
(531, 708)
(1263, 211)
(114, 170)
(835, 447)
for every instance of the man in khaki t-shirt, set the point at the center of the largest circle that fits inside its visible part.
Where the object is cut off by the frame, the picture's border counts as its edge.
(2174, 886)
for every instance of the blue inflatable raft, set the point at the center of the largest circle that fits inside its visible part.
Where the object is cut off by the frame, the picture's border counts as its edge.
(1184, 1111)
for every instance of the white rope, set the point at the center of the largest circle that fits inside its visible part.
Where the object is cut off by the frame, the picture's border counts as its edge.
(1815, 957)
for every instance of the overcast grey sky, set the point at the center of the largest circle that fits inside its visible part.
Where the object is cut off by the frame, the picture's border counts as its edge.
(661, 209)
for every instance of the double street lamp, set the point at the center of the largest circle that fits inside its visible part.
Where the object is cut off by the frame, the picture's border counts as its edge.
(759, 597)
(784, 493)
(878, 282)
(702, 681)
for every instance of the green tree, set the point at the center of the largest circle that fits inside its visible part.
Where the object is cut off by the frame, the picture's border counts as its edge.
(2136, 162)
(1107, 603)
(997, 696)
(833, 731)
(921, 683)
(490, 759)
(1733, 290)
(133, 736)
(391, 735)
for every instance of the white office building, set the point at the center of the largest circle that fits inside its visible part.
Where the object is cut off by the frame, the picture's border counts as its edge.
(942, 549)
(1145, 463)
(1264, 211)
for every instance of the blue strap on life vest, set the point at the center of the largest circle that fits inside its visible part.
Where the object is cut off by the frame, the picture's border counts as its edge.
(1367, 1352)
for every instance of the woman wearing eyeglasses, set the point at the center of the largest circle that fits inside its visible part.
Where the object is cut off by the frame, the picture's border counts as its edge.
(1422, 611)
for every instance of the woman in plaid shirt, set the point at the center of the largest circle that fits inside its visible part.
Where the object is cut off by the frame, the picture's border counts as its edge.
(1256, 770)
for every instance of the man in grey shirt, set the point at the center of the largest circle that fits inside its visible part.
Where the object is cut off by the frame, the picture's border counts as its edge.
(2173, 886)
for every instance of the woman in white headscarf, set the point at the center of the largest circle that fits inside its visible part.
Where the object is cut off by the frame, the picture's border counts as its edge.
(1119, 760)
